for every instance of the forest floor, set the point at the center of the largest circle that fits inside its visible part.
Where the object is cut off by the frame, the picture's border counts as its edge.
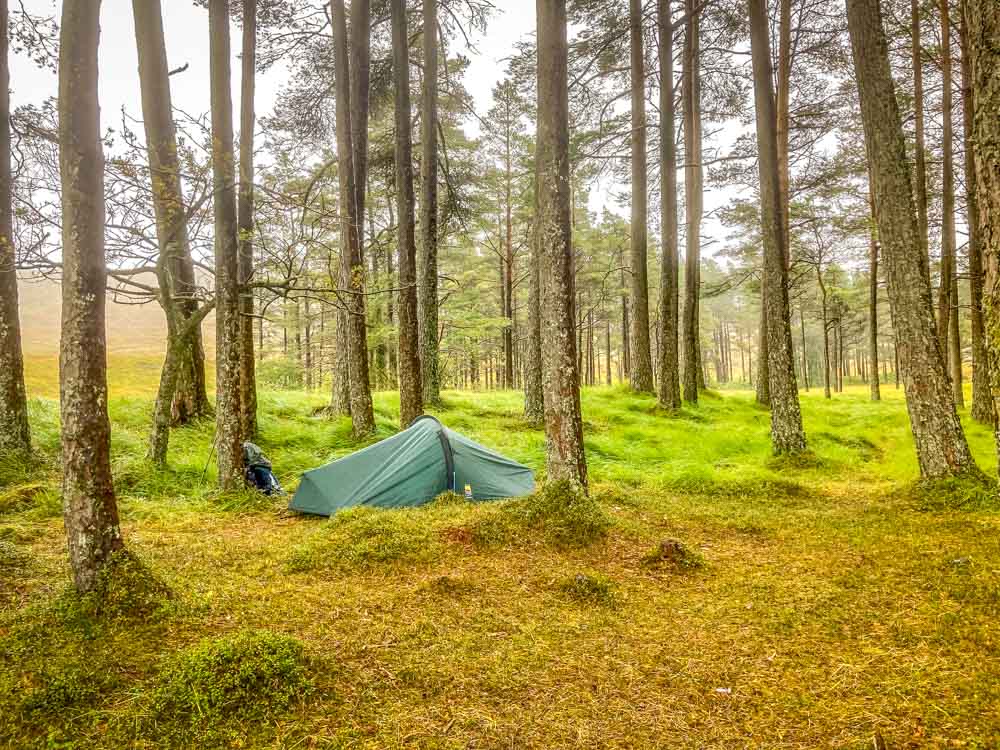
(808, 605)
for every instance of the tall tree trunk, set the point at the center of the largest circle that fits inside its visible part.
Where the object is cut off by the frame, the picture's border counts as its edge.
(534, 407)
(427, 263)
(784, 84)
(228, 418)
(561, 379)
(876, 393)
(805, 351)
(826, 338)
(920, 146)
(763, 391)
(942, 449)
(983, 22)
(89, 508)
(168, 206)
(15, 435)
(352, 264)
(948, 330)
(787, 434)
(642, 363)
(691, 94)
(983, 408)
(248, 373)
(670, 385)
(508, 264)
(410, 390)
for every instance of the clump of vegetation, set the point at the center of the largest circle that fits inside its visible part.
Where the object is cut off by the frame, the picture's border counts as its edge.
(447, 499)
(562, 514)
(591, 589)
(364, 537)
(20, 497)
(251, 675)
(58, 689)
(674, 554)
(126, 590)
(801, 461)
(969, 492)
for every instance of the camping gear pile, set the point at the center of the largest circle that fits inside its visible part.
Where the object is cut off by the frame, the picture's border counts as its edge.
(258, 470)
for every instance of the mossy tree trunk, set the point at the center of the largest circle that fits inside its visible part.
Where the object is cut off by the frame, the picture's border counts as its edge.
(352, 264)
(669, 385)
(942, 449)
(693, 186)
(15, 435)
(245, 216)
(410, 390)
(787, 434)
(427, 262)
(560, 376)
(983, 24)
(642, 362)
(228, 416)
(90, 511)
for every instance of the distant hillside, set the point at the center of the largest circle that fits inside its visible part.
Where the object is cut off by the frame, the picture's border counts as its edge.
(132, 329)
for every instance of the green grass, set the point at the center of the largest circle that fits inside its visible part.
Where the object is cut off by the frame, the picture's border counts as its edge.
(705, 596)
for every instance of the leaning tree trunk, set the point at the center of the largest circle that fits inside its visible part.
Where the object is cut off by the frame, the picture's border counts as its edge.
(15, 436)
(942, 449)
(983, 20)
(691, 91)
(561, 378)
(89, 508)
(228, 421)
(669, 385)
(787, 434)
(427, 263)
(948, 331)
(248, 372)
(352, 264)
(410, 391)
(642, 363)
(983, 408)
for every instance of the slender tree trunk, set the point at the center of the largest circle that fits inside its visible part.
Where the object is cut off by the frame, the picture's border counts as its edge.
(670, 386)
(826, 331)
(983, 27)
(691, 94)
(942, 449)
(642, 364)
(534, 407)
(228, 421)
(805, 350)
(763, 378)
(983, 408)
(15, 435)
(410, 390)
(607, 352)
(508, 266)
(920, 147)
(90, 511)
(427, 263)
(245, 214)
(787, 434)
(876, 393)
(561, 379)
(948, 330)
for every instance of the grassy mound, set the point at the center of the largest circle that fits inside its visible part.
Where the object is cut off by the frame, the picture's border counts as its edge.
(590, 589)
(251, 675)
(559, 513)
(126, 591)
(365, 537)
(970, 492)
(674, 554)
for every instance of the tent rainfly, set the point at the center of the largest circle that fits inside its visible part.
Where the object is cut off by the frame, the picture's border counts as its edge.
(412, 468)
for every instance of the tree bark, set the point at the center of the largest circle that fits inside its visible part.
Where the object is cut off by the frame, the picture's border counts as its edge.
(920, 146)
(410, 390)
(947, 322)
(693, 185)
(561, 378)
(245, 217)
(669, 385)
(352, 264)
(763, 390)
(90, 511)
(427, 263)
(642, 364)
(983, 23)
(942, 449)
(983, 408)
(875, 390)
(787, 434)
(15, 434)
(228, 417)
(534, 406)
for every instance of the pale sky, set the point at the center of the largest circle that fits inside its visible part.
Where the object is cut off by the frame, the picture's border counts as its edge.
(186, 31)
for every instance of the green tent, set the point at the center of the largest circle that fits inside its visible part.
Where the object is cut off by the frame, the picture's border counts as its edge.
(409, 469)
